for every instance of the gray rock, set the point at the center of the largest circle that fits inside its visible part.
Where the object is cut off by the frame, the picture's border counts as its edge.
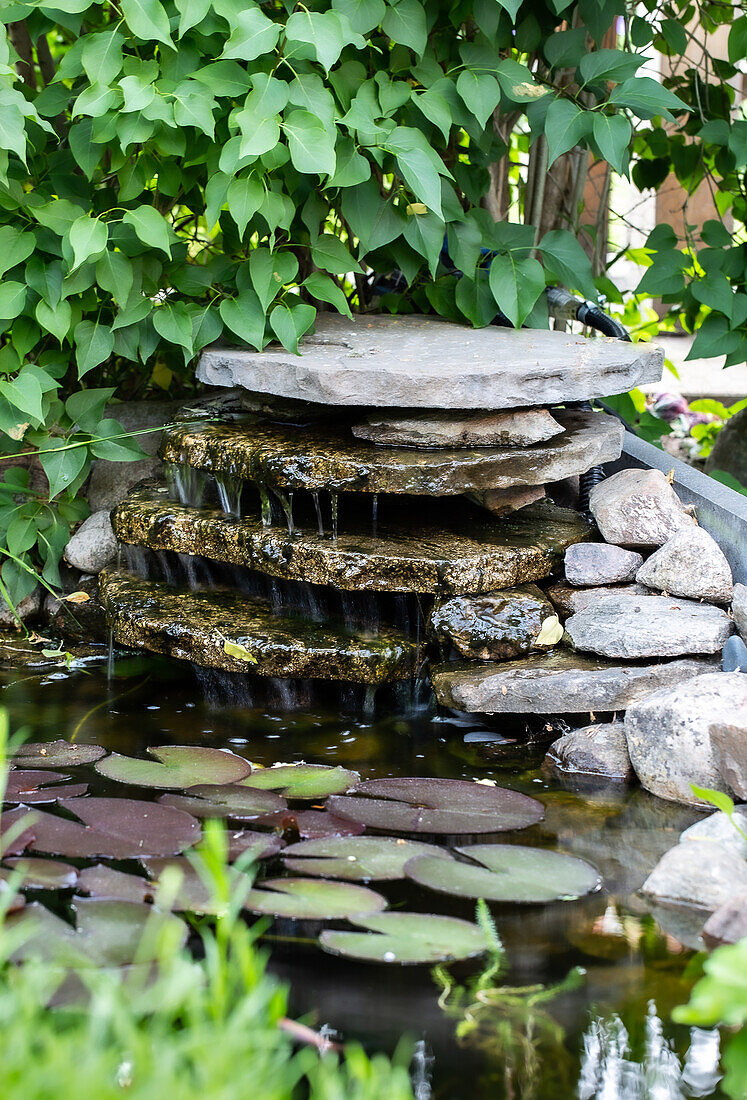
(730, 449)
(513, 428)
(638, 508)
(502, 501)
(690, 564)
(93, 546)
(560, 682)
(594, 750)
(719, 827)
(82, 622)
(567, 600)
(669, 734)
(739, 609)
(734, 655)
(728, 924)
(424, 362)
(498, 625)
(111, 482)
(700, 873)
(636, 627)
(594, 563)
(729, 741)
(28, 607)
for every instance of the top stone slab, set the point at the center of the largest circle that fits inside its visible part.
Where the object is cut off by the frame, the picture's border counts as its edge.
(423, 362)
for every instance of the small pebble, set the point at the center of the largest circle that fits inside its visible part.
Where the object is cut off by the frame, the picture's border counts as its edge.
(734, 655)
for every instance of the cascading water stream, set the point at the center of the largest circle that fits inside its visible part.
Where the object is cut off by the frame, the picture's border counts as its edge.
(318, 509)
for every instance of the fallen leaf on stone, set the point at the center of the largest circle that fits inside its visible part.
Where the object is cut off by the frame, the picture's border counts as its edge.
(551, 632)
(76, 597)
(233, 649)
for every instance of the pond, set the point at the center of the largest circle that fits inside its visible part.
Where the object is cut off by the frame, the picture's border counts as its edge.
(582, 1006)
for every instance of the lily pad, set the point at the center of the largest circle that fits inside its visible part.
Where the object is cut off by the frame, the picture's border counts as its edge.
(56, 754)
(101, 882)
(193, 895)
(116, 828)
(415, 805)
(16, 832)
(106, 933)
(258, 845)
(176, 766)
(312, 899)
(15, 903)
(311, 824)
(40, 874)
(32, 786)
(303, 780)
(407, 938)
(234, 801)
(507, 872)
(357, 858)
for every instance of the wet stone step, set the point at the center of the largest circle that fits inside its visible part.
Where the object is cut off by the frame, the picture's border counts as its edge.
(424, 362)
(239, 633)
(457, 550)
(287, 457)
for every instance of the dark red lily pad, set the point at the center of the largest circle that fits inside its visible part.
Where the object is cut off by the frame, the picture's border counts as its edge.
(257, 845)
(357, 858)
(454, 806)
(194, 894)
(311, 824)
(312, 899)
(302, 780)
(40, 874)
(17, 900)
(176, 766)
(115, 828)
(101, 882)
(32, 786)
(237, 802)
(16, 832)
(56, 754)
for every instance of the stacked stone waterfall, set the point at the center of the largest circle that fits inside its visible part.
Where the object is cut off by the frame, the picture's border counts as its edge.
(406, 459)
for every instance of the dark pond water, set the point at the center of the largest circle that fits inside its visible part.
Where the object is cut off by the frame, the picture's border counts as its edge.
(606, 1035)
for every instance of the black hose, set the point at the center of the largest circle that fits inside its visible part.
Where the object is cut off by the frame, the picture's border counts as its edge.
(594, 317)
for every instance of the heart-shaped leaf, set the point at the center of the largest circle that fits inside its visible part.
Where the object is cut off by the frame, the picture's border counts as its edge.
(407, 938)
(358, 858)
(302, 780)
(312, 899)
(257, 845)
(30, 785)
(509, 873)
(416, 805)
(56, 754)
(105, 882)
(237, 802)
(311, 824)
(16, 832)
(40, 874)
(176, 766)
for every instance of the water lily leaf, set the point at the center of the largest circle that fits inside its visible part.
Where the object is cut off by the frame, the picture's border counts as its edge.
(16, 833)
(507, 872)
(40, 874)
(101, 881)
(258, 845)
(234, 801)
(311, 824)
(415, 805)
(303, 780)
(357, 858)
(407, 938)
(312, 899)
(193, 895)
(17, 901)
(106, 933)
(176, 766)
(115, 828)
(29, 785)
(56, 754)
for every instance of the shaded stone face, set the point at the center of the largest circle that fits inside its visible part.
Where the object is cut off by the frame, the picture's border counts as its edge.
(238, 633)
(497, 626)
(284, 457)
(560, 682)
(501, 502)
(446, 549)
(519, 428)
(598, 563)
(424, 362)
(594, 750)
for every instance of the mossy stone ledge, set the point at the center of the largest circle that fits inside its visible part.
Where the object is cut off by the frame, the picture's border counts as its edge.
(457, 550)
(197, 627)
(288, 457)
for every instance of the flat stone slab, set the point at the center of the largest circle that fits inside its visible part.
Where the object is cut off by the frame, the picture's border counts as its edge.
(197, 626)
(560, 682)
(512, 428)
(425, 362)
(448, 548)
(313, 458)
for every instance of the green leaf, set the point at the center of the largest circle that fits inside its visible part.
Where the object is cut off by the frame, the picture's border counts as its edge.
(113, 443)
(252, 35)
(88, 238)
(86, 407)
(518, 83)
(12, 131)
(566, 259)
(612, 65)
(12, 299)
(194, 105)
(173, 323)
(419, 165)
(565, 125)
(612, 133)
(62, 467)
(191, 12)
(516, 286)
(329, 253)
(714, 291)
(290, 323)
(114, 272)
(436, 109)
(307, 90)
(738, 40)
(245, 317)
(93, 344)
(224, 78)
(15, 247)
(21, 535)
(405, 23)
(269, 272)
(245, 197)
(465, 244)
(364, 15)
(481, 93)
(324, 289)
(147, 20)
(718, 799)
(647, 98)
(150, 227)
(311, 144)
(322, 31)
(25, 393)
(102, 56)
(56, 319)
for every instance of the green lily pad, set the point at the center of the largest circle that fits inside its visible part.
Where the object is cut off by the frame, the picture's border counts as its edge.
(302, 780)
(357, 858)
(56, 754)
(507, 872)
(234, 801)
(415, 805)
(407, 938)
(35, 785)
(176, 766)
(312, 899)
(40, 874)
